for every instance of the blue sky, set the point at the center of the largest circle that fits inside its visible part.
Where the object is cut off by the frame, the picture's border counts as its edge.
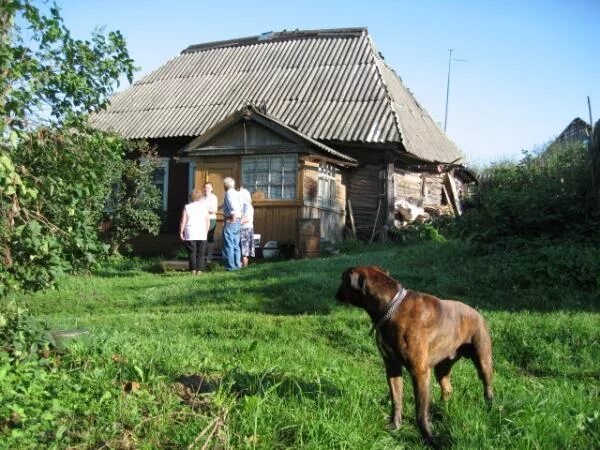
(530, 64)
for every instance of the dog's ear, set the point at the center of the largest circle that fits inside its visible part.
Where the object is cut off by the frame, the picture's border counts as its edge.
(358, 281)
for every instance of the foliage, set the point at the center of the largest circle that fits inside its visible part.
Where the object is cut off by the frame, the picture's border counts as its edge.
(55, 172)
(23, 338)
(134, 201)
(295, 369)
(72, 172)
(419, 231)
(26, 357)
(544, 196)
(594, 157)
(48, 74)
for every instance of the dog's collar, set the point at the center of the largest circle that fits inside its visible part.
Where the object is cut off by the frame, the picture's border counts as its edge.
(391, 307)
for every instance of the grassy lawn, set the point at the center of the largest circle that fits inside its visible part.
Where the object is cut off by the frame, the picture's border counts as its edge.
(266, 358)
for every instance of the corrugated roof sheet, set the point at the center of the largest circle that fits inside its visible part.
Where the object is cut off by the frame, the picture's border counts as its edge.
(330, 85)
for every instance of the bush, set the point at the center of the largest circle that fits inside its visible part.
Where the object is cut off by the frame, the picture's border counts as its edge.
(544, 196)
(23, 338)
(72, 172)
(26, 364)
(417, 232)
(55, 172)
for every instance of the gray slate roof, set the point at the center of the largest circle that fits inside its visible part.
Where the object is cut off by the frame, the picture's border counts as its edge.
(330, 85)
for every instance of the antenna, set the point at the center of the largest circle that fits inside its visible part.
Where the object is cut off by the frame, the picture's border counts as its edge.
(450, 59)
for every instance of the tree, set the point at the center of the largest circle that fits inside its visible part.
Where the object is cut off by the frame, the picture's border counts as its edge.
(55, 172)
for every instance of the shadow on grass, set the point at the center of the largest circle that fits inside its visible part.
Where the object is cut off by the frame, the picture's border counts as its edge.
(240, 384)
(252, 292)
(285, 386)
(116, 274)
(492, 283)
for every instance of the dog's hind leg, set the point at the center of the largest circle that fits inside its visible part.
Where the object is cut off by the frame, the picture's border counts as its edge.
(442, 375)
(421, 380)
(482, 358)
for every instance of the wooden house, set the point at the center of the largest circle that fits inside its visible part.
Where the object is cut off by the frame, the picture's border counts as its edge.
(578, 131)
(306, 120)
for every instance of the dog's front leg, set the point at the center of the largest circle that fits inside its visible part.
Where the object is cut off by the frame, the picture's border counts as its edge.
(394, 376)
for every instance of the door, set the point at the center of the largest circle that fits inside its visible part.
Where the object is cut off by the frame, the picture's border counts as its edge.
(215, 173)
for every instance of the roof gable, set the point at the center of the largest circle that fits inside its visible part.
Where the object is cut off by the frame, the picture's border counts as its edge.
(247, 129)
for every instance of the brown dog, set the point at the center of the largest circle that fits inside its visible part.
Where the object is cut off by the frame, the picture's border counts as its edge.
(420, 332)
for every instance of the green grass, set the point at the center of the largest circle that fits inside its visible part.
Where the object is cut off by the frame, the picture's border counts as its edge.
(285, 366)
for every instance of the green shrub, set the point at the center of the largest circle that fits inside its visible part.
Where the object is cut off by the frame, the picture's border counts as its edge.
(543, 196)
(22, 337)
(416, 232)
(73, 171)
(55, 172)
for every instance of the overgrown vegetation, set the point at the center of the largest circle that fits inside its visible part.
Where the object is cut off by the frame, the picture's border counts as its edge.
(55, 172)
(548, 196)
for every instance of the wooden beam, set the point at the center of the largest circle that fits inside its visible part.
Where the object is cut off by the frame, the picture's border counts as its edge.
(351, 219)
(375, 223)
(389, 188)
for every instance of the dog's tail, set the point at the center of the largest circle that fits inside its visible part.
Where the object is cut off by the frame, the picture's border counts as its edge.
(482, 344)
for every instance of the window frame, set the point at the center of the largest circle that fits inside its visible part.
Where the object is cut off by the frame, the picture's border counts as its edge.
(327, 175)
(191, 176)
(269, 182)
(164, 164)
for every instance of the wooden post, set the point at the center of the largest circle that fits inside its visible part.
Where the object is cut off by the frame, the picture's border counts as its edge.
(389, 189)
(375, 223)
(351, 219)
(451, 190)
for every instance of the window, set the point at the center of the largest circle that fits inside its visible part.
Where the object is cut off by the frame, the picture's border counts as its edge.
(274, 175)
(191, 177)
(326, 194)
(161, 180)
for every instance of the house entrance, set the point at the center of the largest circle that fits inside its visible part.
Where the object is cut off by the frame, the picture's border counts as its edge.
(216, 173)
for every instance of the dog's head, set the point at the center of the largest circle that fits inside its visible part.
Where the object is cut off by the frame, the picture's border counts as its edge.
(362, 286)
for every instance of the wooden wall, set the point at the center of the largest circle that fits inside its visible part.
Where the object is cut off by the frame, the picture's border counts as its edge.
(247, 134)
(365, 190)
(419, 188)
(333, 218)
(277, 223)
(178, 180)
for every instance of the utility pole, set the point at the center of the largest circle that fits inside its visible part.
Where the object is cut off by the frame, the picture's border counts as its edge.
(450, 59)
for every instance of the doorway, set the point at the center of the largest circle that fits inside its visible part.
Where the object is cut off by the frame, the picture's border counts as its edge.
(216, 172)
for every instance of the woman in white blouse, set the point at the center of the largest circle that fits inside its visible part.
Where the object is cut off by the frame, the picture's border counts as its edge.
(193, 230)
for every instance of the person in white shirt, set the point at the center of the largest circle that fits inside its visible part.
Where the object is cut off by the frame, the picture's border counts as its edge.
(193, 230)
(247, 237)
(213, 206)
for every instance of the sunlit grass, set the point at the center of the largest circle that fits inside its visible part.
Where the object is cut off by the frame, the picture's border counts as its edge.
(288, 367)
